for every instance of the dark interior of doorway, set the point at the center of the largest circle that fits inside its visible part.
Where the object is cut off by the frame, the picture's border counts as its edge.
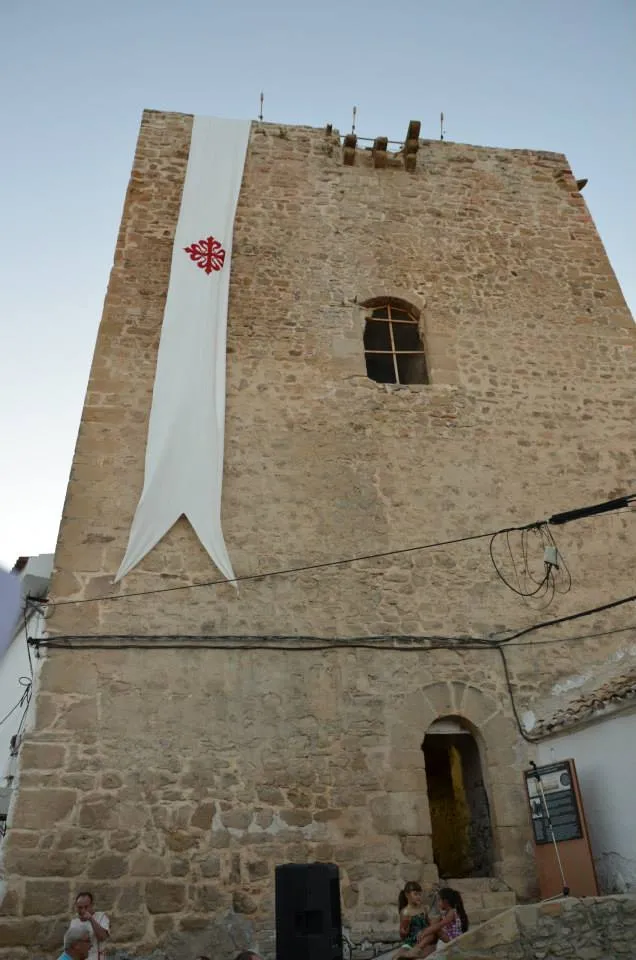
(458, 802)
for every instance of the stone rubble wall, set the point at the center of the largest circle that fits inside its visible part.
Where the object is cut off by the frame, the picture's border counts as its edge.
(172, 785)
(595, 928)
(530, 409)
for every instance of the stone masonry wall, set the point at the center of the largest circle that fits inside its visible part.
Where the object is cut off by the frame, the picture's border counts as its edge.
(173, 780)
(531, 407)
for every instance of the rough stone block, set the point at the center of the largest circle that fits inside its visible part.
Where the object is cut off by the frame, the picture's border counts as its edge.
(98, 813)
(130, 816)
(111, 780)
(208, 898)
(79, 717)
(211, 867)
(10, 903)
(123, 841)
(130, 897)
(296, 818)
(399, 813)
(270, 795)
(418, 848)
(144, 864)
(509, 805)
(45, 863)
(108, 867)
(46, 711)
(25, 839)
(259, 869)
(165, 896)
(163, 925)
(132, 926)
(202, 817)
(179, 841)
(43, 756)
(43, 809)
(15, 933)
(243, 903)
(441, 698)
(57, 678)
(46, 897)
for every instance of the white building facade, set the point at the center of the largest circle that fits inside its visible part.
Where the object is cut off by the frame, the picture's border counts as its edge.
(19, 669)
(598, 731)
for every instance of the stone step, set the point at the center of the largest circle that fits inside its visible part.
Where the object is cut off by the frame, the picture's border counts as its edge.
(484, 897)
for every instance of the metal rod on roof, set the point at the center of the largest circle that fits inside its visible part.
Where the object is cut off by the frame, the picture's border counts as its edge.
(260, 116)
(441, 126)
(353, 124)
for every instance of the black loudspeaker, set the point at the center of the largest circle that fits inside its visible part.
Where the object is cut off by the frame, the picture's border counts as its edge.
(308, 919)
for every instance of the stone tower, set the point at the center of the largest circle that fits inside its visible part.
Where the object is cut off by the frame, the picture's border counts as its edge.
(422, 347)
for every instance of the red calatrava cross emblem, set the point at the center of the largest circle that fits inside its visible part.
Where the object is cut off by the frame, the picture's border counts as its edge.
(207, 254)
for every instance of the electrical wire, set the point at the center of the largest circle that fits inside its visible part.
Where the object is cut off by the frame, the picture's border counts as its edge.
(578, 637)
(568, 618)
(314, 643)
(286, 570)
(621, 503)
(392, 644)
(513, 703)
(25, 698)
(556, 577)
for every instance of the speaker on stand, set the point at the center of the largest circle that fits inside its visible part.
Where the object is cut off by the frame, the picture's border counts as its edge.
(308, 918)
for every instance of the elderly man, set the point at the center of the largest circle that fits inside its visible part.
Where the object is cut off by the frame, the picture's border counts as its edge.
(77, 943)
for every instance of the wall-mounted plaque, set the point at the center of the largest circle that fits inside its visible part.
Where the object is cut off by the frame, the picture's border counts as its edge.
(554, 790)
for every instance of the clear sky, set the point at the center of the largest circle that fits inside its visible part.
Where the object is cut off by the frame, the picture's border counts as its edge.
(76, 74)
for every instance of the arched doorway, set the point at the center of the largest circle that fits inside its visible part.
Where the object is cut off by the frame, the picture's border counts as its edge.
(458, 802)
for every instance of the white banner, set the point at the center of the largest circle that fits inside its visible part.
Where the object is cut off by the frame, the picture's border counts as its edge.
(184, 452)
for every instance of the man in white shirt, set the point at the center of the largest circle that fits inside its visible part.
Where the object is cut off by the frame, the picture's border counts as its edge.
(97, 924)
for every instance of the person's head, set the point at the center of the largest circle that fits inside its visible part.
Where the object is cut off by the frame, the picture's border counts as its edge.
(84, 904)
(450, 899)
(410, 895)
(77, 942)
(247, 955)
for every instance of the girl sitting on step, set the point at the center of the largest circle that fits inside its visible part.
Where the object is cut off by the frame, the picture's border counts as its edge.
(453, 919)
(415, 927)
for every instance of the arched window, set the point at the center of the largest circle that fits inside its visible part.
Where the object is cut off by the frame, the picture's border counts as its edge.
(393, 348)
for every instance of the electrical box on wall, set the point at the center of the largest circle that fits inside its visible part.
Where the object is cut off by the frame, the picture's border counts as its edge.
(561, 841)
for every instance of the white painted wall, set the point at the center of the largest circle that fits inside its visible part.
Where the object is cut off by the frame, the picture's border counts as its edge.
(605, 756)
(15, 669)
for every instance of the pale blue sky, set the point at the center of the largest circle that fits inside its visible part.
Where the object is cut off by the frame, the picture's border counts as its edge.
(76, 74)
